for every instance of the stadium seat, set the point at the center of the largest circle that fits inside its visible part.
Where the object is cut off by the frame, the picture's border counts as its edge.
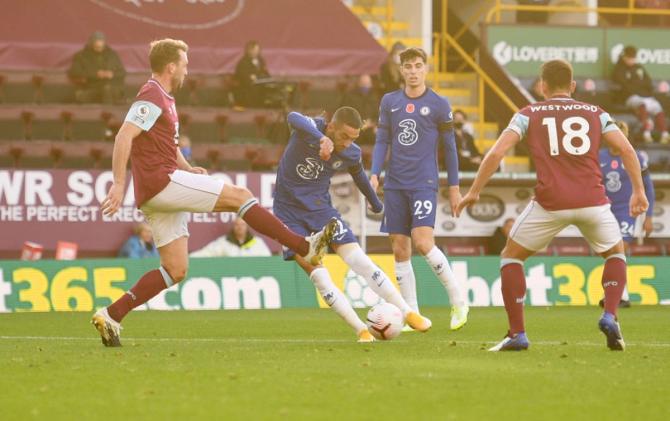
(27, 117)
(572, 250)
(650, 249)
(304, 87)
(38, 86)
(464, 250)
(550, 250)
(3, 79)
(265, 157)
(222, 123)
(66, 118)
(260, 120)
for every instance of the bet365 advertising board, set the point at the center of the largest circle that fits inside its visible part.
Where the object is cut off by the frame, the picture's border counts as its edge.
(269, 282)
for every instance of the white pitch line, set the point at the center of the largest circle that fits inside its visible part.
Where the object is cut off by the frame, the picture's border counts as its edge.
(312, 341)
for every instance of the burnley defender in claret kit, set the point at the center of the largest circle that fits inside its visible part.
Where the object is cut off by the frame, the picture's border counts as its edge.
(167, 188)
(564, 137)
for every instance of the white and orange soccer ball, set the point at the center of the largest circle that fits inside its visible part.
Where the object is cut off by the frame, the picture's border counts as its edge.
(385, 321)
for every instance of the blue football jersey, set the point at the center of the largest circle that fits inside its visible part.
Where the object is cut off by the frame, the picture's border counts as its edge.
(303, 178)
(413, 128)
(617, 183)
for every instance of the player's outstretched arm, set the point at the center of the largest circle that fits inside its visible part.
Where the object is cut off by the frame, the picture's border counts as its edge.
(297, 121)
(617, 141)
(122, 146)
(364, 185)
(506, 141)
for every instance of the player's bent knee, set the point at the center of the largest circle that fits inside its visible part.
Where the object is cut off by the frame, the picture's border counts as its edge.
(424, 246)
(177, 273)
(232, 197)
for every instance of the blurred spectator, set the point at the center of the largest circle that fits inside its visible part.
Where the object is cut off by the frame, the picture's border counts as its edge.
(185, 148)
(637, 93)
(365, 100)
(140, 244)
(97, 72)
(251, 70)
(469, 156)
(239, 242)
(499, 238)
(389, 74)
(524, 16)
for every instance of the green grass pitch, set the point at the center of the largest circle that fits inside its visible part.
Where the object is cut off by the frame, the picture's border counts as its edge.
(305, 364)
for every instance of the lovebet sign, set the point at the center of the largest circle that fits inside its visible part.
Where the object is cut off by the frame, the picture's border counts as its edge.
(522, 49)
(592, 51)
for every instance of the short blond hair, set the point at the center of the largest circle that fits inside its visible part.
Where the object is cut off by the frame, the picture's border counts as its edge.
(165, 51)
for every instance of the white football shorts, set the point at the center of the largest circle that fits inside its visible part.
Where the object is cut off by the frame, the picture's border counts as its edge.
(167, 212)
(536, 227)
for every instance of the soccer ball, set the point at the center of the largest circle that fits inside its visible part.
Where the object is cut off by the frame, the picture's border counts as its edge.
(385, 321)
(358, 292)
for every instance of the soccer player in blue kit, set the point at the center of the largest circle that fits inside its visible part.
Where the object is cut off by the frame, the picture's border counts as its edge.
(619, 188)
(316, 150)
(412, 122)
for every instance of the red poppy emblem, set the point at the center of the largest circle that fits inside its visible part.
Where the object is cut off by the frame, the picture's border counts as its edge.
(615, 165)
(409, 108)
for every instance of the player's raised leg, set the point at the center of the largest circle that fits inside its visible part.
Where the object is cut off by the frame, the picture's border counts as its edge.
(174, 265)
(239, 199)
(335, 298)
(425, 244)
(359, 262)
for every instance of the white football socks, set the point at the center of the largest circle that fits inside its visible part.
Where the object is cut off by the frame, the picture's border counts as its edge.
(440, 265)
(380, 283)
(404, 274)
(335, 298)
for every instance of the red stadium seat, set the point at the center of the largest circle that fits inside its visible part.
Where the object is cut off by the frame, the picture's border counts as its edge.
(573, 250)
(38, 85)
(222, 122)
(651, 249)
(304, 88)
(3, 79)
(260, 120)
(27, 117)
(264, 157)
(464, 250)
(548, 251)
(66, 118)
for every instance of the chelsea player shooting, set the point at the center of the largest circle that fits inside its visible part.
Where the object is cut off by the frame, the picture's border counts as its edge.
(412, 123)
(316, 150)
